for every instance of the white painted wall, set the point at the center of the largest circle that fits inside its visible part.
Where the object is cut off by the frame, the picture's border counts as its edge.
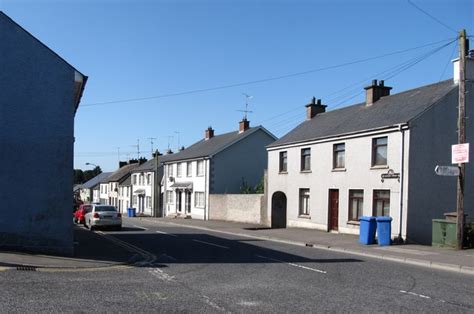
(358, 174)
(200, 184)
(145, 185)
(244, 208)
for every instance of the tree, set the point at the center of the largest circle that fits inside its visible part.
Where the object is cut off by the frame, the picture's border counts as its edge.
(260, 187)
(78, 176)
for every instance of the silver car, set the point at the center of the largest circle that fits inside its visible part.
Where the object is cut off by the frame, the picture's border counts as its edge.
(102, 216)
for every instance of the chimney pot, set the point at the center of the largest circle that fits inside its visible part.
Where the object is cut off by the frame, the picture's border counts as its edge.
(244, 125)
(209, 133)
(314, 107)
(374, 92)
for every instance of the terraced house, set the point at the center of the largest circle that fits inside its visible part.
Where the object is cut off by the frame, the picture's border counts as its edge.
(376, 158)
(217, 164)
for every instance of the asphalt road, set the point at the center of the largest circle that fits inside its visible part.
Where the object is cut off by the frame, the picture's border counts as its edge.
(188, 270)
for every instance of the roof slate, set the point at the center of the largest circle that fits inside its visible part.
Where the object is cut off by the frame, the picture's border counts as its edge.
(205, 148)
(121, 173)
(96, 180)
(387, 111)
(149, 166)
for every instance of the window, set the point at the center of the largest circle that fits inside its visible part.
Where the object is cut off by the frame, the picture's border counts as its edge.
(306, 159)
(379, 151)
(356, 204)
(200, 168)
(189, 169)
(339, 152)
(381, 203)
(141, 179)
(170, 170)
(148, 178)
(148, 202)
(135, 179)
(304, 202)
(179, 170)
(169, 197)
(199, 199)
(283, 161)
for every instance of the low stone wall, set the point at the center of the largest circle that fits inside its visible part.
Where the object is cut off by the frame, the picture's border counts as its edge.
(246, 208)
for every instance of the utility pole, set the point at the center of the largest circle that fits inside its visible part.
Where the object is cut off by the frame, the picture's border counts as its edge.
(461, 139)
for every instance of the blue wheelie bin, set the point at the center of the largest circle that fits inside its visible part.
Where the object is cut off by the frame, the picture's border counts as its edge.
(384, 230)
(367, 230)
(131, 212)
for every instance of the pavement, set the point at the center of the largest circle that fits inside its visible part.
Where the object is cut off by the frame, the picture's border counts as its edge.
(98, 250)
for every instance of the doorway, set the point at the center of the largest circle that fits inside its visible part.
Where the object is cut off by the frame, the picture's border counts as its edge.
(333, 210)
(279, 210)
(179, 193)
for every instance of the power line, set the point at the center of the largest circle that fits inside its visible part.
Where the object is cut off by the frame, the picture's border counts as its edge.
(195, 91)
(356, 91)
(432, 17)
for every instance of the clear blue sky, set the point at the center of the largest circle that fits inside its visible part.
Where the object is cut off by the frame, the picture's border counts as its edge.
(136, 49)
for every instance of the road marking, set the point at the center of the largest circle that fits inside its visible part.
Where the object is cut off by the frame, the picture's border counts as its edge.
(162, 232)
(419, 295)
(160, 274)
(293, 264)
(148, 257)
(143, 228)
(208, 243)
(213, 304)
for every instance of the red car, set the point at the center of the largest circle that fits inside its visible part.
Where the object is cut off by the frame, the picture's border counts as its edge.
(79, 214)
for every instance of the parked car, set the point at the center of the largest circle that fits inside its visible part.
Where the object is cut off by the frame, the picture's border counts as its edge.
(79, 214)
(102, 216)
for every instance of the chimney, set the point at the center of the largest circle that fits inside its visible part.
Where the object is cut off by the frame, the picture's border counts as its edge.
(156, 153)
(142, 160)
(169, 151)
(209, 133)
(181, 149)
(374, 92)
(314, 107)
(122, 163)
(244, 125)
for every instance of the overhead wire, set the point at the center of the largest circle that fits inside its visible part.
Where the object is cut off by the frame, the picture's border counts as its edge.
(195, 91)
(354, 92)
(432, 17)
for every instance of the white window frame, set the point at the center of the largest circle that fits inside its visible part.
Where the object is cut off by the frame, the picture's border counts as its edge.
(200, 168)
(304, 202)
(199, 200)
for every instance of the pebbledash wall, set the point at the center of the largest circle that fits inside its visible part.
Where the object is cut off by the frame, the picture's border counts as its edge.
(246, 208)
(37, 108)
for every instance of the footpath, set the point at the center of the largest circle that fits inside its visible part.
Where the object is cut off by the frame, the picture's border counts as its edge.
(427, 256)
(91, 251)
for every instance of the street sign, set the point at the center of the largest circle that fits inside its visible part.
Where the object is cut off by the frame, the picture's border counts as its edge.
(460, 153)
(450, 171)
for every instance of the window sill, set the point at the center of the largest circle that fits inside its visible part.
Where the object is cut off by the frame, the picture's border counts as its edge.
(379, 167)
(305, 171)
(353, 222)
(283, 172)
(304, 216)
(339, 170)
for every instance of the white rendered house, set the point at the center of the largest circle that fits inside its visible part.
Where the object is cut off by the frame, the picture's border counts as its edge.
(217, 164)
(371, 159)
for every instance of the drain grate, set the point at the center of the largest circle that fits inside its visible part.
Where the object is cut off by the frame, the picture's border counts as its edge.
(26, 268)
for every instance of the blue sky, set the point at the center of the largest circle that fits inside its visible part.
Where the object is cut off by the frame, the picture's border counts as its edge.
(143, 48)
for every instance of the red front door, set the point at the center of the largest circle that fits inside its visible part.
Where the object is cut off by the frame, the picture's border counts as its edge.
(334, 210)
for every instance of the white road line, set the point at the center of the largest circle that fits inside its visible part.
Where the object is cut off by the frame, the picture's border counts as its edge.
(162, 232)
(293, 264)
(143, 228)
(415, 294)
(208, 243)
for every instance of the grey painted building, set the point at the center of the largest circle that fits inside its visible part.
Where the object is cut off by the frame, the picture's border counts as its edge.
(40, 93)
(328, 171)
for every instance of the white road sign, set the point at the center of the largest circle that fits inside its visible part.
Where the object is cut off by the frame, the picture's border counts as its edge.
(450, 171)
(460, 153)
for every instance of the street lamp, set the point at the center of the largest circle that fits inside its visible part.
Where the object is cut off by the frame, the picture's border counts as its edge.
(91, 164)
